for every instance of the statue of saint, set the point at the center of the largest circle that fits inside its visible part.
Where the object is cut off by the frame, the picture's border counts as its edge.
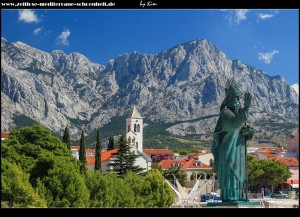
(229, 144)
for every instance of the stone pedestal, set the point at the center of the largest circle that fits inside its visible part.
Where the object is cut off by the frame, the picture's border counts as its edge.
(236, 204)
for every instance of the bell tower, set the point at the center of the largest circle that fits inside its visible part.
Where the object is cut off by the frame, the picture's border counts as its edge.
(134, 130)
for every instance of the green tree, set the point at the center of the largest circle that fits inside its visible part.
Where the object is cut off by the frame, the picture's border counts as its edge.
(264, 173)
(44, 160)
(16, 189)
(66, 138)
(98, 153)
(177, 172)
(123, 161)
(82, 153)
(111, 143)
(109, 191)
(67, 186)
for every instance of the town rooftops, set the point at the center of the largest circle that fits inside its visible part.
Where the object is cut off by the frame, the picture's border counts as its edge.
(107, 154)
(290, 162)
(158, 151)
(104, 156)
(269, 155)
(135, 114)
(5, 135)
(270, 149)
(184, 164)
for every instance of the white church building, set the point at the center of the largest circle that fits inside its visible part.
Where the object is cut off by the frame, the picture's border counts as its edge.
(134, 135)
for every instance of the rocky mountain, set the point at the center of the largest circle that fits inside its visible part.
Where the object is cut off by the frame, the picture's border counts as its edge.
(182, 86)
(296, 88)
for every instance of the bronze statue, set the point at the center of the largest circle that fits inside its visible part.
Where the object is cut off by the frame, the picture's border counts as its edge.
(229, 144)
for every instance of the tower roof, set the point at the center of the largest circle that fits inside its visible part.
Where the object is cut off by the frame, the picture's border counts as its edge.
(135, 114)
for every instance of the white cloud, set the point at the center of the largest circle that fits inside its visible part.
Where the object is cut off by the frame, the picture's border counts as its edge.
(267, 57)
(241, 14)
(28, 16)
(37, 31)
(265, 16)
(63, 37)
(235, 16)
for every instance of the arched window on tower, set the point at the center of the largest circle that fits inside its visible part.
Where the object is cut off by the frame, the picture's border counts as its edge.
(137, 145)
(128, 129)
(134, 128)
(138, 128)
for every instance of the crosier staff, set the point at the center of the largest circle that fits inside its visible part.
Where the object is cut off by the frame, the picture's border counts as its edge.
(247, 131)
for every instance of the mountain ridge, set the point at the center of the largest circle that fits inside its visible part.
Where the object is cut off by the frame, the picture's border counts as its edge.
(182, 83)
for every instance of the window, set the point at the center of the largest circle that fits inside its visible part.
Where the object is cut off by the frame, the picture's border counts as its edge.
(128, 130)
(134, 128)
(137, 145)
(197, 164)
(129, 140)
(175, 164)
(138, 128)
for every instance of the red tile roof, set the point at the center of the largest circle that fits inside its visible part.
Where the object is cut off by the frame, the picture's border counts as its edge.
(191, 165)
(5, 135)
(166, 164)
(104, 156)
(90, 160)
(77, 147)
(294, 181)
(185, 164)
(269, 149)
(290, 162)
(269, 155)
(107, 154)
(90, 150)
(158, 151)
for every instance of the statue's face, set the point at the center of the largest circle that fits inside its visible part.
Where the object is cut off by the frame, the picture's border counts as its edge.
(234, 105)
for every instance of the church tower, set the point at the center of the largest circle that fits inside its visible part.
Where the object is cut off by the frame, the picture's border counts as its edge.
(134, 131)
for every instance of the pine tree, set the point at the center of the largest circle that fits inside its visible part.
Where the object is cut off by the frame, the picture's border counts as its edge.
(111, 143)
(82, 154)
(98, 152)
(66, 138)
(123, 161)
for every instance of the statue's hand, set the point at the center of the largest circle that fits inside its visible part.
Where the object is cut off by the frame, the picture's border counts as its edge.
(247, 99)
(248, 132)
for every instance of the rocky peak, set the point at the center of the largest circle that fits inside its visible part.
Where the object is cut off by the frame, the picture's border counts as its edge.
(182, 84)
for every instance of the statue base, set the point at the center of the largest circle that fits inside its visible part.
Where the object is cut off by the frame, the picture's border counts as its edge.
(235, 204)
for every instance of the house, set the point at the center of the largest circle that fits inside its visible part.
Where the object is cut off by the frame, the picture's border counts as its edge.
(293, 165)
(4, 135)
(75, 151)
(156, 155)
(189, 166)
(292, 149)
(105, 160)
(268, 153)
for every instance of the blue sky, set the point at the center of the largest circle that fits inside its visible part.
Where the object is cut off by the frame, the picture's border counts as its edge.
(265, 39)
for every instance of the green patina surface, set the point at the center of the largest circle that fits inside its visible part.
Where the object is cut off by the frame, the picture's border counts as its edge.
(235, 204)
(229, 144)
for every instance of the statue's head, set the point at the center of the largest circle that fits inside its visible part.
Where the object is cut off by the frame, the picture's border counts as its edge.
(232, 96)
(231, 87)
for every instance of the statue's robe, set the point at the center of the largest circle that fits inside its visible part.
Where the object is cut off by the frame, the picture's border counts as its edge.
(228, 149)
